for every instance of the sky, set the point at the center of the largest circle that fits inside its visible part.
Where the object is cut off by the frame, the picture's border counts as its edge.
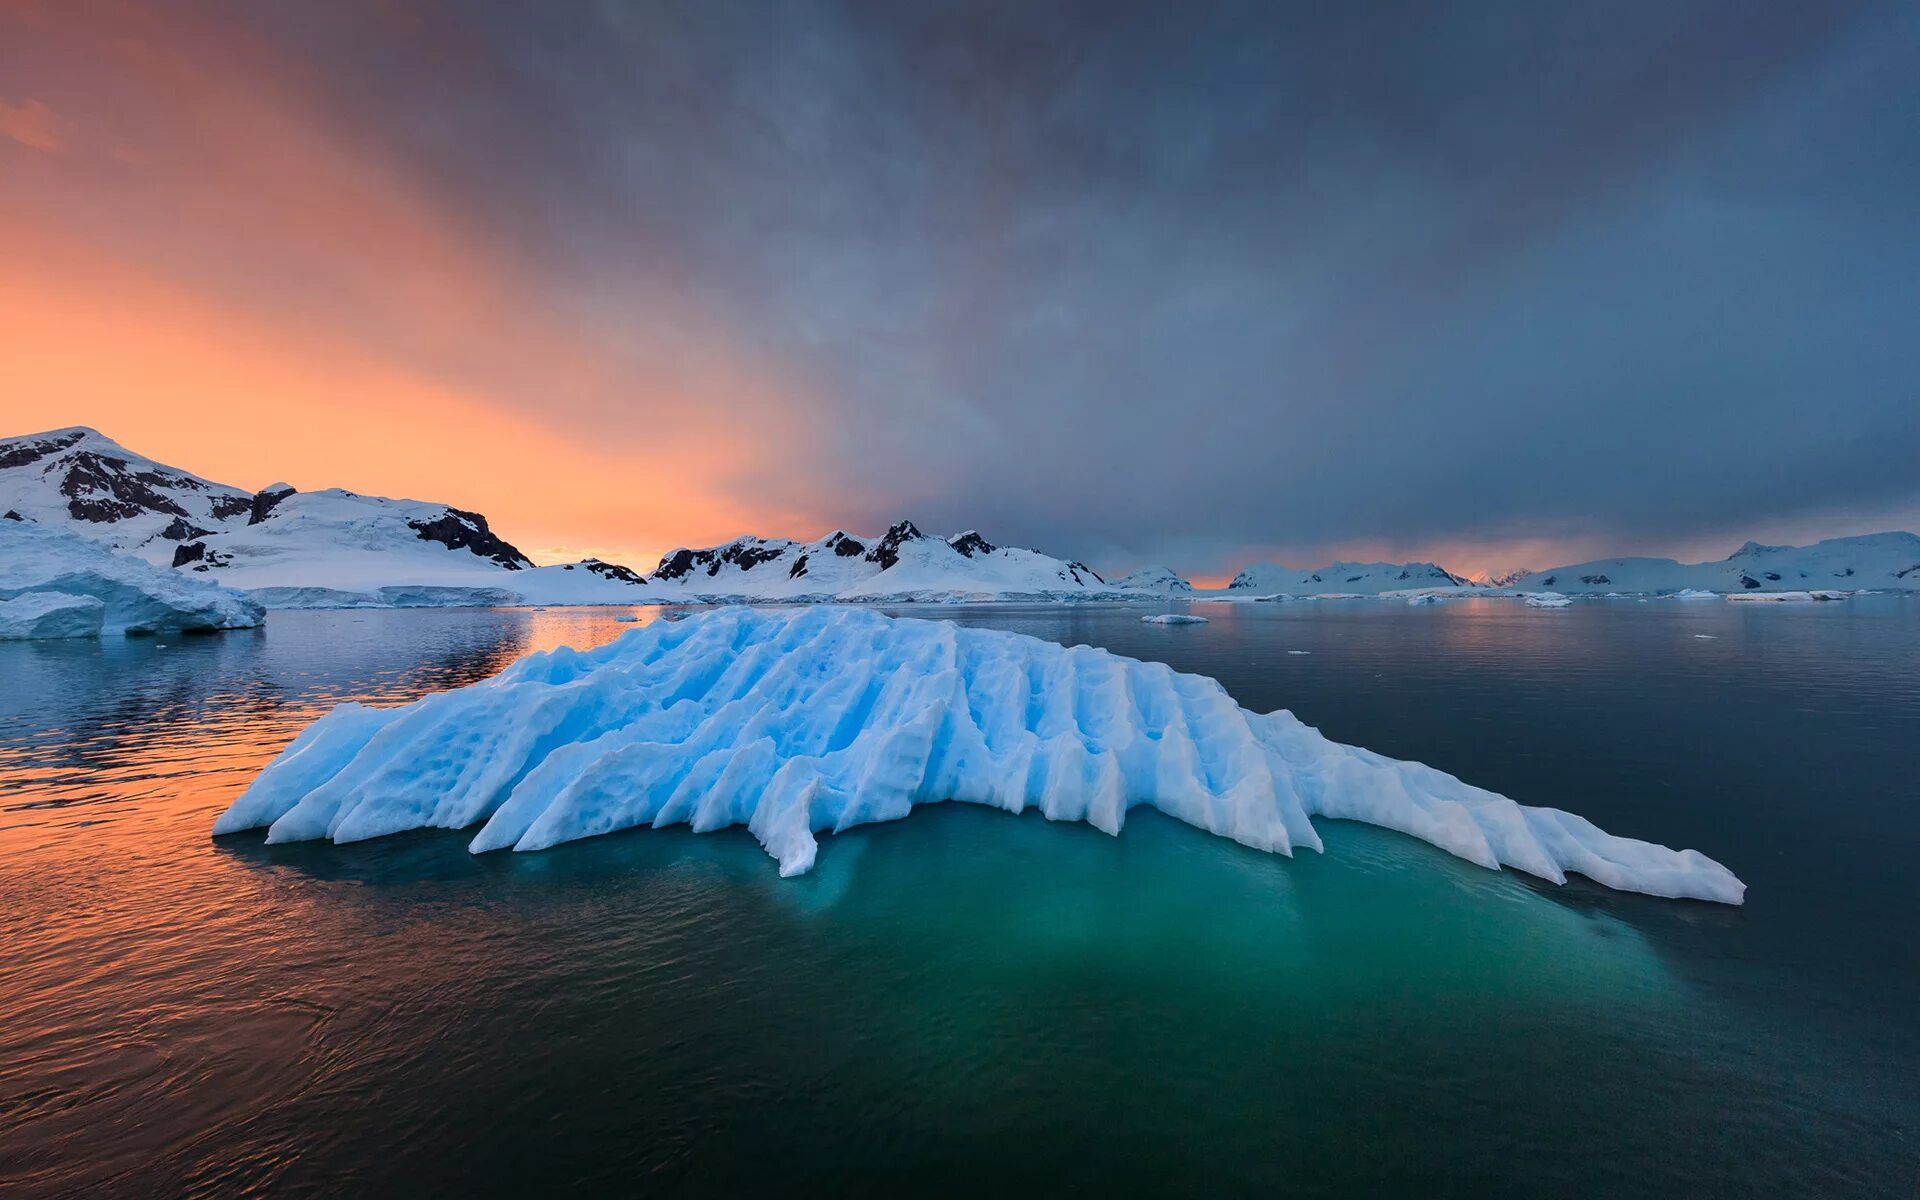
(1496, 284)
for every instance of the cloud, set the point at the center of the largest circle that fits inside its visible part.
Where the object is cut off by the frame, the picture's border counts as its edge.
(31, 124)
(1125, 282)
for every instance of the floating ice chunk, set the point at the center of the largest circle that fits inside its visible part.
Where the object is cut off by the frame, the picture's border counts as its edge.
(1695, 594)
(1299, 652)
(626, 618)
(794, 723)
(1707, 637)
(1547, 600)
(1173, 619)
(1785, 597)
(50, 615)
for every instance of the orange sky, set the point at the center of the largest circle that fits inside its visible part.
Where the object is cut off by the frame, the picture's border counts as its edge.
(200, 256)
(194, 263)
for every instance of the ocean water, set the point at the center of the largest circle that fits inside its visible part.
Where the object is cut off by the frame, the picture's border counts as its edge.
(967, 1001)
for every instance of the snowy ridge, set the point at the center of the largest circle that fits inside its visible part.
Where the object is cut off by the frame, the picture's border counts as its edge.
(902, 565)
(1877, 561)
(828, 718)
(1154, 579)
(83, 481)
(1343, 577)
(329, 548)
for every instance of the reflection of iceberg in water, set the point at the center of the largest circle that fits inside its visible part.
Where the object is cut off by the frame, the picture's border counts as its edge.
(829, 718)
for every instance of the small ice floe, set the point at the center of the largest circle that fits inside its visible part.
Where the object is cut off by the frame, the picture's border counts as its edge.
(1707, 637)
(1547, 600)
(1695, 594)
(1423, 598)
(1786, 597)
(1299, 652)
(1173, 619)
(626, 618)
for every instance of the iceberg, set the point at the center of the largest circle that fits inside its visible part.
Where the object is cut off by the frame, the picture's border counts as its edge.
(1547, 600)
(795, 723)
(1173, 619)
(50, 615)
(134, 596)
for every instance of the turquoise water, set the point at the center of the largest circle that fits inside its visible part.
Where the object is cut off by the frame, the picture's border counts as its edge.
(969, 1001)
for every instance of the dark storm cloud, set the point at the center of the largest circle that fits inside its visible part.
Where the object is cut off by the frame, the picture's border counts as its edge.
(1164, 280)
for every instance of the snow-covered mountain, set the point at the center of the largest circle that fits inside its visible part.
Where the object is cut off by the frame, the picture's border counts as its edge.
(1360, 579)
(330, 547)
(335, 548)
(1503, 577)
(902, 564)
(80, 480)
(1154, 579)
(1875, 561)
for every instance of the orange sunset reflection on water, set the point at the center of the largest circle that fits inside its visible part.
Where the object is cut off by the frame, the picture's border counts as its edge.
(138, 950)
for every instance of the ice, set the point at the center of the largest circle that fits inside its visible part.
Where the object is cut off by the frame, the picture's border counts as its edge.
(1785, 597)
(1885, 560)
(1154, 579)
(1695, 594)
(791, 723)
(1547, 600)
(1352, 578)
(1173, 619)
(50, 615)
(135, 596)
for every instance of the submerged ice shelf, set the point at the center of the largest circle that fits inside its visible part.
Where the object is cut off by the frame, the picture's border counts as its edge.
(794, 723)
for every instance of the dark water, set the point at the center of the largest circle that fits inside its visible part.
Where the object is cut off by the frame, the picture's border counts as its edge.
(971, 1002)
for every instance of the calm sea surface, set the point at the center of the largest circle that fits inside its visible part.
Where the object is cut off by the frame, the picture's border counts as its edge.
(967, 1001)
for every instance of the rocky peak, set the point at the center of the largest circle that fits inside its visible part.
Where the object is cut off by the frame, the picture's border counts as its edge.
(887, 552)
(457, 529)
(266, 500)
(971, 543)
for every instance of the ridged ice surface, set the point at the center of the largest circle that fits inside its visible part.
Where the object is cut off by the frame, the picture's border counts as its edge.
(794, 723)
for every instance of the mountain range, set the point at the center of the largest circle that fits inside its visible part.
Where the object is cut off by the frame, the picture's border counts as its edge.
(336, 548)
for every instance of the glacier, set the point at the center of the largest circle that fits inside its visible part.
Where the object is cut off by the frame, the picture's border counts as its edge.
(50, 615)
(133, 596)
(794, 723)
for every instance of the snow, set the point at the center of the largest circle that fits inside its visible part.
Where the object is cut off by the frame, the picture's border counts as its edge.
(51, 615)
(902, 565)
(1695, 594)
(1154, 579)
(791, 723)
(1547, 600)
(1173, 619)
(1878, 560)
(79, 480)
(137, 597)
(1345, 578)
(1787, 597)
(391, 596)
